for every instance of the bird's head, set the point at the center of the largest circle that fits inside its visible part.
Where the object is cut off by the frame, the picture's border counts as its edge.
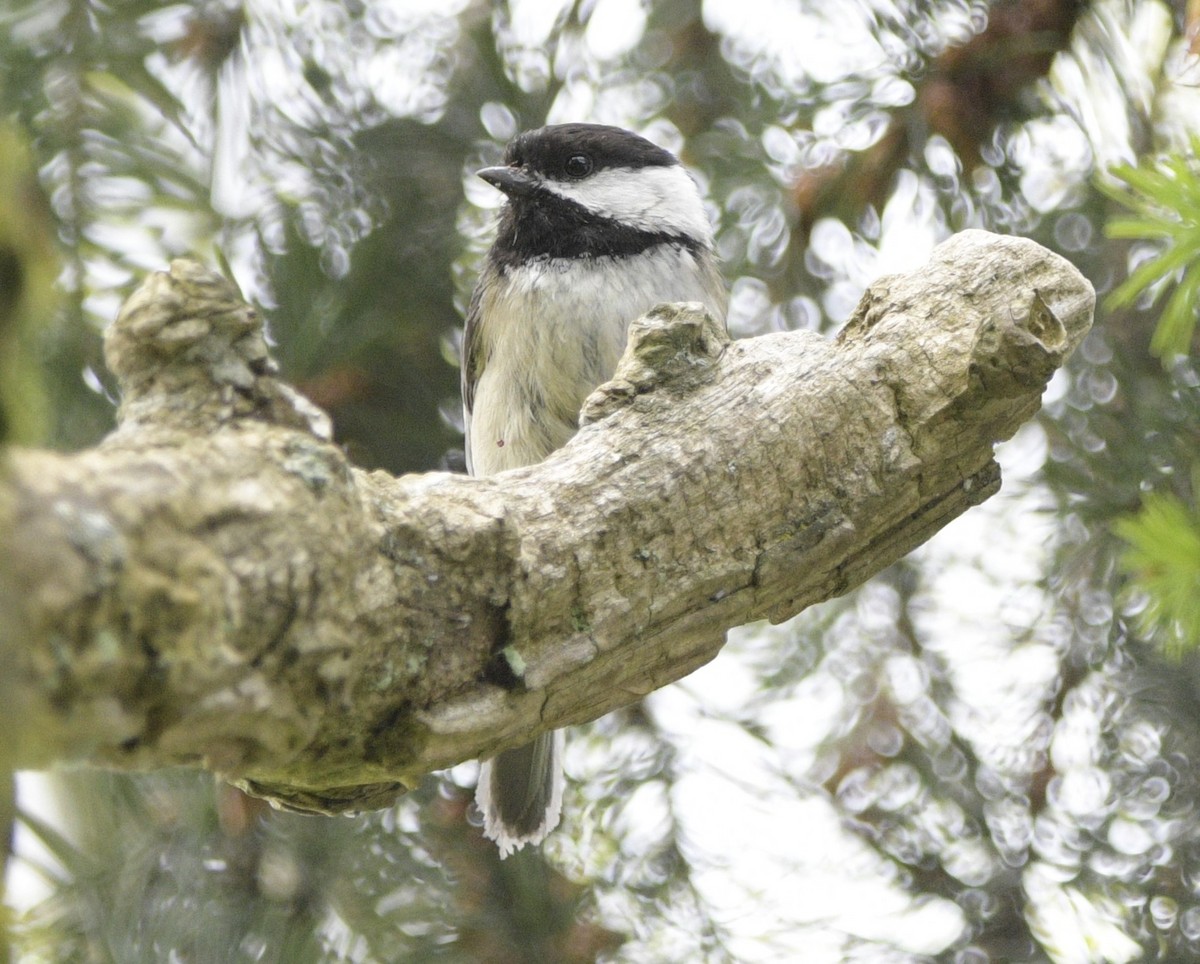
(580, 190)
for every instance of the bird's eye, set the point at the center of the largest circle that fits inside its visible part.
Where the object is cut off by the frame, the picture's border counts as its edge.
(578, 165)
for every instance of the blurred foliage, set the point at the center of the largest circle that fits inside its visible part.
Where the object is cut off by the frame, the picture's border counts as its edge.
(1164, 559)
(1164, 201)
(28, 266)
(976, 757)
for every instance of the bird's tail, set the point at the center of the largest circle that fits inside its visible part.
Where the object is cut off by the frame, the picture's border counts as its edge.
(520, 793)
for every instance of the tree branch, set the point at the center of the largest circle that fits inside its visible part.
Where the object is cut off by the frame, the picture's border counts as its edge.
(215, 585)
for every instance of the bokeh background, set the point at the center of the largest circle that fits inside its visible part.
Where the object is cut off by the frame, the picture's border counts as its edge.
(987, 754)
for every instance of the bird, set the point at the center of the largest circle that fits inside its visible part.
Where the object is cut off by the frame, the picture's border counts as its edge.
(598, 226)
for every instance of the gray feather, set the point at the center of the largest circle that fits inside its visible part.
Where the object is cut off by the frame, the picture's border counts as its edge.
(520, 793)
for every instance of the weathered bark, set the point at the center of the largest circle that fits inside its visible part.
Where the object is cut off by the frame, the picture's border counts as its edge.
(214, 584)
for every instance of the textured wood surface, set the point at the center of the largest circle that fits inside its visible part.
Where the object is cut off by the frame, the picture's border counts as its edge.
(216, 585)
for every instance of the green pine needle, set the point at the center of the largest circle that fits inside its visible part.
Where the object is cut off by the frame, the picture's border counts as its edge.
(1165, 202)
(1163, 561)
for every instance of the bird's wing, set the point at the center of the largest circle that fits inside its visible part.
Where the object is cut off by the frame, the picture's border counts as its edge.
(471, 365)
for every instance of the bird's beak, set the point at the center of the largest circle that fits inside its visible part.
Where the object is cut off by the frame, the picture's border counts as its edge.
(511, 180)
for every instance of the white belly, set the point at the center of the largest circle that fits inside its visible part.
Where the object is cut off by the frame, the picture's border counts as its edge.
(552, 336)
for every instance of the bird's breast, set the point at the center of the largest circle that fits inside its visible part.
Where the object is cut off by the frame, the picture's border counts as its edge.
(552, 331)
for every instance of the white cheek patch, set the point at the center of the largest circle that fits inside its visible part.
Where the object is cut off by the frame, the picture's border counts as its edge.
(659, 199)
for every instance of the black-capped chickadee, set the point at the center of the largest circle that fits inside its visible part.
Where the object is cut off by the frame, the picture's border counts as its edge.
(599, 226)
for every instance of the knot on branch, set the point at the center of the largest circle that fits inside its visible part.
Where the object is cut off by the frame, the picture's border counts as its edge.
(987, 321)
(1012, 354)
(672, 343)
(188, 350)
